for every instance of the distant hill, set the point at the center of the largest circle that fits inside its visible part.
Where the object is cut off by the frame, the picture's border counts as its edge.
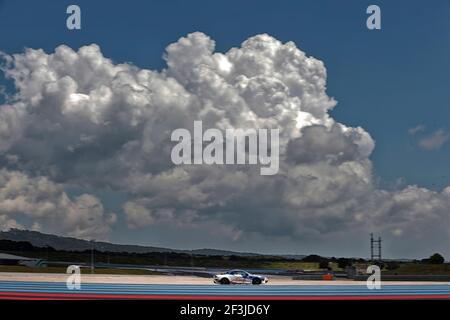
(39, 239)
(218, 252)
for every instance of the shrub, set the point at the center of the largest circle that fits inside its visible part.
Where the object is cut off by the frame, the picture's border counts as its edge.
(436, 259)
(343, 262)
(392, 265)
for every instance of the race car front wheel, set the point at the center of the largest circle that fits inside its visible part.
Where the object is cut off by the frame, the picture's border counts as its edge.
(224, 281)
(256, 281)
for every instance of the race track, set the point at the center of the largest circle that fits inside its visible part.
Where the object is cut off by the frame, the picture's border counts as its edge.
(58, 290)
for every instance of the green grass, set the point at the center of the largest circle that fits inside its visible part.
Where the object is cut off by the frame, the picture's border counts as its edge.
(288, 265)
(83, 270)
(296, 265)
(420, 269)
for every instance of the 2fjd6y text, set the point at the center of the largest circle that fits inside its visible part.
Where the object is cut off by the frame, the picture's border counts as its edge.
(242, 310)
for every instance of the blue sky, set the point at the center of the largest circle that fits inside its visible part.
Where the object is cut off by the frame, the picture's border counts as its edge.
(386, 81)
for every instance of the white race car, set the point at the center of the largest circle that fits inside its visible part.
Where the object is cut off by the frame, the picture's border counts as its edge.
(239, 277)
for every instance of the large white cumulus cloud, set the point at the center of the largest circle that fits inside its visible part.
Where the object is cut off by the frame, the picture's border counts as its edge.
(78, 119)
(46, 204)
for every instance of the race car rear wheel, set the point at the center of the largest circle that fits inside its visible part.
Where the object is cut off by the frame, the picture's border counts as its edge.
(224, 281)
(256, 281)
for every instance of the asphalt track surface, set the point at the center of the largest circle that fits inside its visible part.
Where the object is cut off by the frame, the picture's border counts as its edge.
(58, 290)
